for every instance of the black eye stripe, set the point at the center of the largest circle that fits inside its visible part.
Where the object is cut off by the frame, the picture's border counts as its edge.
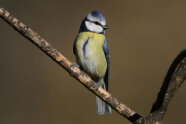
(95, 22)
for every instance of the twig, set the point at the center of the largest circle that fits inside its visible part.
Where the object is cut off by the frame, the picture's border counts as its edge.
(173, 80)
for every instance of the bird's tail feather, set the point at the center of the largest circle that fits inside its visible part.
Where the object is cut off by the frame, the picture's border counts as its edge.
(102, 107)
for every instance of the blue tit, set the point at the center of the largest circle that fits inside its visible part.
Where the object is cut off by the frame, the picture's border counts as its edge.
(92, 54)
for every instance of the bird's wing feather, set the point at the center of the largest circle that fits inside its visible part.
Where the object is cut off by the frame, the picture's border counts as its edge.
(74, 47)
(107, 75)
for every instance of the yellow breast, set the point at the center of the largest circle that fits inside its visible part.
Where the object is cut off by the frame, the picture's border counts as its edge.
(90, 54)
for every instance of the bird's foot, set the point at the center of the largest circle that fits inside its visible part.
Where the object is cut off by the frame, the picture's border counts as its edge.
(97, 86)
(75, 65)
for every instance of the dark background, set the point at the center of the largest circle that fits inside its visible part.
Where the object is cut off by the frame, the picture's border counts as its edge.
(144, 37)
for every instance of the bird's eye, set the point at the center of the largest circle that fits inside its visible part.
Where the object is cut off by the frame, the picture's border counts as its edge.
(97, 23)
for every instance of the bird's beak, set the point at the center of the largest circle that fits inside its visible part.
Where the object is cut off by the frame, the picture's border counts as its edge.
(105, 27)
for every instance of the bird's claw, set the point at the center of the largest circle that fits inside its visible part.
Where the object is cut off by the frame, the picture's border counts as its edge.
(97, 86)
(75, 65)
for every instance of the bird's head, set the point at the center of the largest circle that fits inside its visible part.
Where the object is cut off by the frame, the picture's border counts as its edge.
(94, 22)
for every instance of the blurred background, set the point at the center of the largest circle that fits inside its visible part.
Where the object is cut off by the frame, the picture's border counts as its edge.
(144, 37)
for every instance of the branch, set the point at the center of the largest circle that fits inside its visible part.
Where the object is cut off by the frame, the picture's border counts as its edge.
(173, 80)
(175, 76)
(75, 72)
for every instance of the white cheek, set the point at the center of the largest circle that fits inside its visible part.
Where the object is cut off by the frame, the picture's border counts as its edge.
(93, 27)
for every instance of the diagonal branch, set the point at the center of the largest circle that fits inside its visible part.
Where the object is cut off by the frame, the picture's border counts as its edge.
(173, 80)
(75, 72)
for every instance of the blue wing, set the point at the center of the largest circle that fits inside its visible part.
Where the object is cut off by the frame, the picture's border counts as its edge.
(107, 75)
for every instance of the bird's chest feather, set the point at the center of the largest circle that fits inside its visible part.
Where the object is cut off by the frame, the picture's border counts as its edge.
(92, 57)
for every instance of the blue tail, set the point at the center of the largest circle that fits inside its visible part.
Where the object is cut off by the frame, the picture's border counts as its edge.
(102, 107)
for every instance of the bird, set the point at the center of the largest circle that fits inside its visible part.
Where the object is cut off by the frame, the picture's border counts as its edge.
(92, 54)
